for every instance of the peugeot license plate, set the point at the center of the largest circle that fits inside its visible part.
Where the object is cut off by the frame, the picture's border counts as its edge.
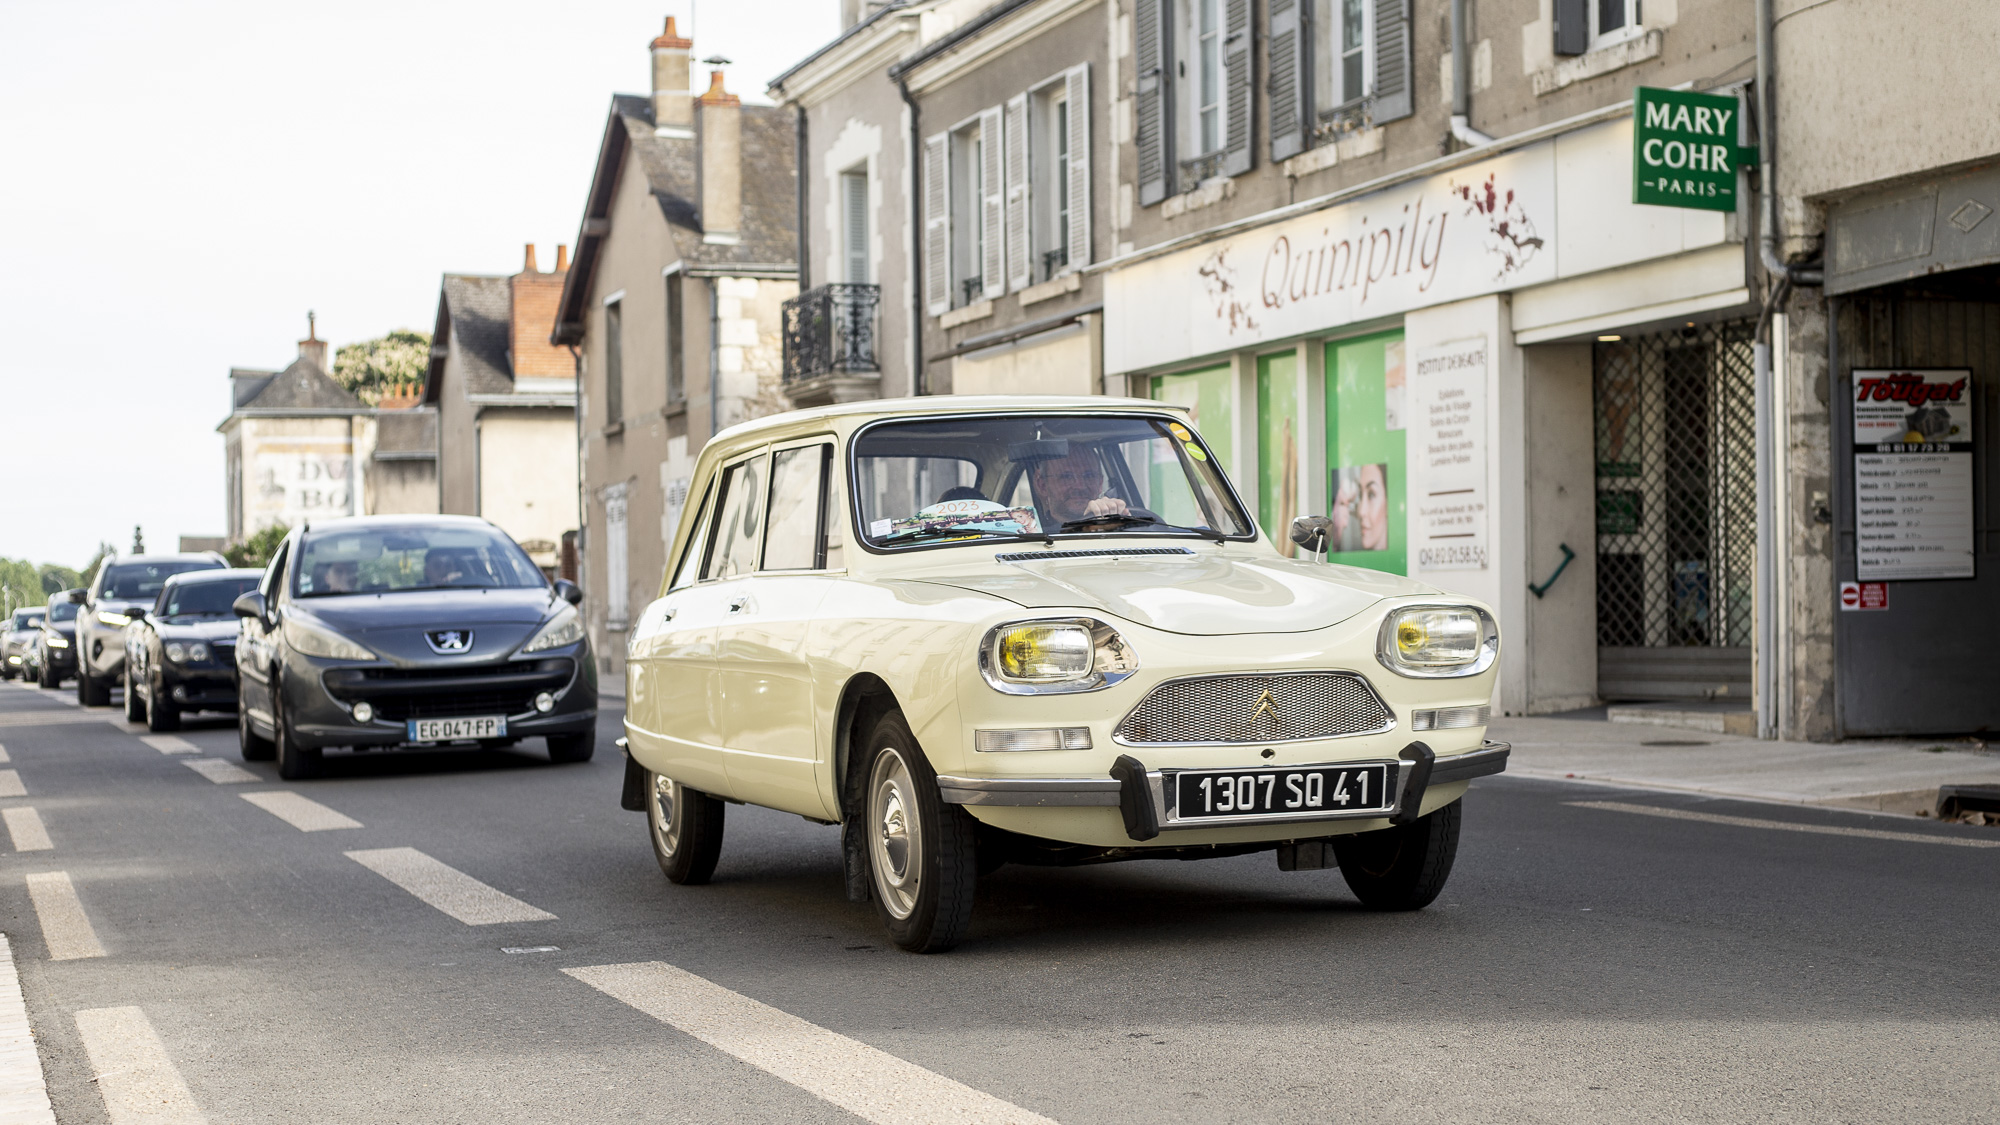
(1282, 791)
(451, 730)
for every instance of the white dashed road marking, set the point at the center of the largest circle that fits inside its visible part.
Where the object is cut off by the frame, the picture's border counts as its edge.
(24, 1098)
(65, 927)
(50, 718)
(4, 756)
(10, 784)
(302, 813)
(134, 1074)
(865, 1081)
(219, 771)
(1783, 825)
(447, 888)
(25, 826)
(170, 744)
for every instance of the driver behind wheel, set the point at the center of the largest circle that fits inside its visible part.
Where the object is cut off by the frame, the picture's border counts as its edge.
(1071, 488)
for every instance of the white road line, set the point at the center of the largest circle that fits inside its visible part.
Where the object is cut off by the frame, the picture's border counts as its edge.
(219, 771)
(65, 927)
(134, 1074)
(25, 826)
(10, 784)
(447, 888)
(170, 744)
(4, 756)
(865, 1081)
(1783, 825)
(302, 813)
(24, 1098)
(51, 718)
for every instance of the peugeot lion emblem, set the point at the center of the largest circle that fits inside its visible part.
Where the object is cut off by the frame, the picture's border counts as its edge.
(450, 642)
(1265, 706)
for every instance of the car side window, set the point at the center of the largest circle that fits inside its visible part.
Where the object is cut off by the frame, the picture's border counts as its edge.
(274, 575)
(684, 574)
(737, 532)
(792, 539)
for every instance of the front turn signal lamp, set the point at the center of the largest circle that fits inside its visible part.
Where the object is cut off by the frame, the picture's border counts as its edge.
(1436, 641)
(1055, 657)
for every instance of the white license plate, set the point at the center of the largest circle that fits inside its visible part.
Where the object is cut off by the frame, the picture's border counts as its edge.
(450, 730)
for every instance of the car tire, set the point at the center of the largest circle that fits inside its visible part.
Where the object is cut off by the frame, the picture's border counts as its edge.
(160, 715)
(576, 747)
(1404, 867)
(135, 711)
(923, 854)
(295, 762)
(685, 826)
(253, 748)
(91, 691)
(46, 680)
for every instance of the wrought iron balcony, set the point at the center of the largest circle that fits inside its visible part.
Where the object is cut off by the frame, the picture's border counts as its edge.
(830, 330)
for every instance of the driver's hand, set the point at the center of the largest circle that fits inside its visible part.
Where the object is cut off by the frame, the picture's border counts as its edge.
(1105, 506)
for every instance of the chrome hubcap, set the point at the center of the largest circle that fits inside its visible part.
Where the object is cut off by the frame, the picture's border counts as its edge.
(895, 833)
(660, 811)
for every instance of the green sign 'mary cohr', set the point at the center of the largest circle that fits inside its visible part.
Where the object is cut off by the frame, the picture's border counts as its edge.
(1684, 150)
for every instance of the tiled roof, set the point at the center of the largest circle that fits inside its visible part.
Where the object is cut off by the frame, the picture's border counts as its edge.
(769, 233)
(302, 386)
(245, 382)
(406, 431)
(480, 312)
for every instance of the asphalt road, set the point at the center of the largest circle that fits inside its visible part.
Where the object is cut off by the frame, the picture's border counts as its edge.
(1585, 963)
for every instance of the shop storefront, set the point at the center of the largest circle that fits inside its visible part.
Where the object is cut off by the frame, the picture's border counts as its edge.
(1491, 370)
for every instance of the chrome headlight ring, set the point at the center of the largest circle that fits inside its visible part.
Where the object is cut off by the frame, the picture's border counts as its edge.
(1485, 647)
(1112, 659)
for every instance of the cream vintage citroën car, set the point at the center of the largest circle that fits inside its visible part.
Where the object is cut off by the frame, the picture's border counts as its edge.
(976, 631)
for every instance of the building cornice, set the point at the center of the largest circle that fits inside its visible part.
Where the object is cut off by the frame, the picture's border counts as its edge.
(535, 400)
(973, 45)
(846, 61)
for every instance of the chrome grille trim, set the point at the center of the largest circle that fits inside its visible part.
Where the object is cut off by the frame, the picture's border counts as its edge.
(1222, 710)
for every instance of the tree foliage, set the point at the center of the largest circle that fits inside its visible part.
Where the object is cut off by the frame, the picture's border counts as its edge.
(257, 550)
(23, 583)
(372, 367)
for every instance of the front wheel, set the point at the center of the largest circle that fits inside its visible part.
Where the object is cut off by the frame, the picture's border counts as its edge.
(135, 711)
(923, 855)
(253, 748)
(160, 715)
(91, 691)
(686, 827)
(1404, 867)
(295, 762)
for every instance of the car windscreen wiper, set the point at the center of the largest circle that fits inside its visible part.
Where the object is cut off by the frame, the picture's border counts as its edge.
(956, 532)
(1123, 520)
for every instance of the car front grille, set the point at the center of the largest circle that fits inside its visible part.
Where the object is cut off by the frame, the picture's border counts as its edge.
(451, 691)
(1255, 707)
(456, 704)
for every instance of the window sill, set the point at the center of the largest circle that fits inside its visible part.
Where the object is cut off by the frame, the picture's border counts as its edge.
(674, 409)
(1332, 150)
(613, 430)
(1603, 60)
(1054, 287)
(978, 310)
(1207, 194)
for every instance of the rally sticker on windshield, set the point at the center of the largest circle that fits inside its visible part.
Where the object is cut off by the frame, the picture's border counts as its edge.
(969, 516)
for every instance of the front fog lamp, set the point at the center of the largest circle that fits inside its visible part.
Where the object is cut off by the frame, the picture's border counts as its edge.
(1053, 657)
(364, 712)
(1430, 641)
(544, 702)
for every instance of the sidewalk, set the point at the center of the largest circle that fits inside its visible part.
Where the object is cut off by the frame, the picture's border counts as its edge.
(1898, 776)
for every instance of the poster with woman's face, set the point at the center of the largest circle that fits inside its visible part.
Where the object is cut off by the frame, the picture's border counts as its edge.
(1361, 508)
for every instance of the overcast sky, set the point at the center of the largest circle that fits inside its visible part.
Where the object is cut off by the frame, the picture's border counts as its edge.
(182, 181)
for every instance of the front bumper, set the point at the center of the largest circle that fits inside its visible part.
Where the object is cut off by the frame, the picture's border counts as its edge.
(198, 688)
(1143, 796)
(321, 708)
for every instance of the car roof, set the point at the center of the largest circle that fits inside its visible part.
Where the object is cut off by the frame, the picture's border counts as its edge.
(355, 523)
(848, 414)
(180, 556)
(191, 577)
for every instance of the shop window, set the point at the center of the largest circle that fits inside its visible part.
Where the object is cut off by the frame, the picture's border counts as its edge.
(1207, 395)
(1367, 469)
(1278, 447)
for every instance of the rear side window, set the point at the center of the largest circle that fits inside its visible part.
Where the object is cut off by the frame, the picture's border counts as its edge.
(792, 539)
(738, 533)
(684, 575)
(135, 581)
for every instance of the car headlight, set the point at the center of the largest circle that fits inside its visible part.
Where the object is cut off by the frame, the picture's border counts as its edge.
(56, 641)
(198, 652)
(1437, 641)
(315, 640)
(565, 628)
(1054, 657)
(176, 651)
(110, 617)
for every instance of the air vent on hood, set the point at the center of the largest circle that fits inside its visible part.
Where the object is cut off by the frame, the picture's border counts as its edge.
(1038, 556)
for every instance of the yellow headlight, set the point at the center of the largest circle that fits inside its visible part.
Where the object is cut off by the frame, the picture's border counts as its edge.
(1438, 641)
(1410, 637)
(1043, 653)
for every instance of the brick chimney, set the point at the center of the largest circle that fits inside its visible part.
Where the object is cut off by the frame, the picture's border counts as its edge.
(721, 164)
(312, 347)
(533, 297)
(673, 103)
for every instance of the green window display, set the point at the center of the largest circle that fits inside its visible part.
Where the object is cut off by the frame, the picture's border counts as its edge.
(1367, 485)
(1278, 447)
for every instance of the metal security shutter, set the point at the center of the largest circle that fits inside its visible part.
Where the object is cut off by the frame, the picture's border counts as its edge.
(937, 228)
(1392, 61)
(1572, 26)
(1019, 273)
(1236, 77)
(992, 206)
(1077, 94)
(1152, 127)
(1290, 81)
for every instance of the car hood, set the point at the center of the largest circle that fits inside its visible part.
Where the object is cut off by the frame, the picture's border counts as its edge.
(395, 624)
(1205, 594)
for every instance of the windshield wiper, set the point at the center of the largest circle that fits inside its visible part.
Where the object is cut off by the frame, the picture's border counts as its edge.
(1123, 520)
(956, 532)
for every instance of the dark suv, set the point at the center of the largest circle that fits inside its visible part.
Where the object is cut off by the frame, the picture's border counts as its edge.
(53, 657)
(120, 586)
(17, 637)
(181, 655)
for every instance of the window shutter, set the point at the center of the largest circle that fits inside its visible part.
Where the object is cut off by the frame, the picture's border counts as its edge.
(1392, 61)
(1078, 95)
(1151, 102)
(1290, 79)
(855, 185)
(937, 228)
(1572, 26)
(992, 205)
(1236, 155)
(1020, 274)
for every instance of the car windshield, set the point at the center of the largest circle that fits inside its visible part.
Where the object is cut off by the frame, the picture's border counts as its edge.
(967, 479)
(27, 618)
(211, 598)
(387, 559)
(142, 581)
(62, 611)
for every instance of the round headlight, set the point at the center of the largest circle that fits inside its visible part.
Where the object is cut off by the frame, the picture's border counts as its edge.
(198, 652)
(176, 652)
(363, 711)
(1438, 641)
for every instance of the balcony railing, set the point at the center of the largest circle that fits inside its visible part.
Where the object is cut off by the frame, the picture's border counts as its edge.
(831, 331)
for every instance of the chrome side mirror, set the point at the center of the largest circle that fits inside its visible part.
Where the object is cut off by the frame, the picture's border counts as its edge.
(1313, 533)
